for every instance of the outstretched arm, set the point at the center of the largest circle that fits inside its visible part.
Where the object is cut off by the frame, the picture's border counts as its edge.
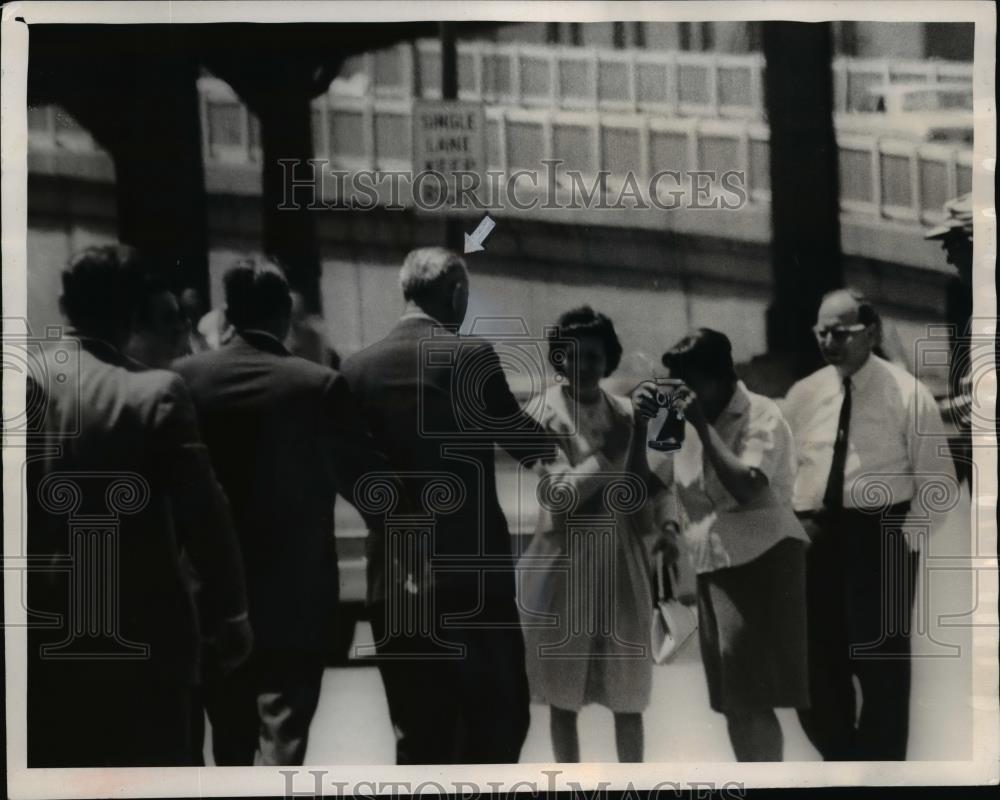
(516, 431)
(592, 473)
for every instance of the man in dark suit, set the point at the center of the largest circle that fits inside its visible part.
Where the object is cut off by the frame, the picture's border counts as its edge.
(437, 404)
(284, 436)
(119, 483)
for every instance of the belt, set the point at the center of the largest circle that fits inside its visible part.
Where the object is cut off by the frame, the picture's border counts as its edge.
(897, 510)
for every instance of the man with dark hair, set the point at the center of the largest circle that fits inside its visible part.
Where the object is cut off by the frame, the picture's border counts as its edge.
(307, 337)
(438, 404)
(733, 476)
(285, 436)
(123, 453)
(870, 441)
(160, 334)
(193, 308)
(159, 330)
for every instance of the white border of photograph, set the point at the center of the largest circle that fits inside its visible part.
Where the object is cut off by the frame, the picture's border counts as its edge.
(983, 767)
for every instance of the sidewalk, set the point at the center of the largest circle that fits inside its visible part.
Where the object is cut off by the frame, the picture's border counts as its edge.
(352, 722)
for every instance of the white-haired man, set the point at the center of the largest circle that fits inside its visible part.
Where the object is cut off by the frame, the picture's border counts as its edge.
(437, 404)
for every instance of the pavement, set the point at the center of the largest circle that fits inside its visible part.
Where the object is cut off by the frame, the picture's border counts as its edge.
(352, 722)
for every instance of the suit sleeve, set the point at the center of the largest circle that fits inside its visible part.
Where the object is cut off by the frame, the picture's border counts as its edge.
(199, 506)
(581, 480)
(354, 453)
(512, 428)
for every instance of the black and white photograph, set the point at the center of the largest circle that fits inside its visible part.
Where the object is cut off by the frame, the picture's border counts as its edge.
(487, 397)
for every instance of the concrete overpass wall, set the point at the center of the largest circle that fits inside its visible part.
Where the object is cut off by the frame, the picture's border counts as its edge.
(654, 284)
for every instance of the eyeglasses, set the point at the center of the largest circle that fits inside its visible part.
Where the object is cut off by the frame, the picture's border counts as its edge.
(839, 333)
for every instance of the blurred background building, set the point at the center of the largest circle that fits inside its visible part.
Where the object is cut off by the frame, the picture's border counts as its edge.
(618, 96)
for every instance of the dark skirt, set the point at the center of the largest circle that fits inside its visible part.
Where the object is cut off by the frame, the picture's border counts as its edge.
(752, 631)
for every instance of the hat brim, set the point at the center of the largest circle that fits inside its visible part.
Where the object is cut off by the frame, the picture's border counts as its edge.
(942, 231)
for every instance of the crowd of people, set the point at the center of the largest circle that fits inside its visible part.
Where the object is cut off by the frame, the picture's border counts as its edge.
(217, 582)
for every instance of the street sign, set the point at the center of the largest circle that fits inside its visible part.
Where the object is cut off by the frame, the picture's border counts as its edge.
(449, 136)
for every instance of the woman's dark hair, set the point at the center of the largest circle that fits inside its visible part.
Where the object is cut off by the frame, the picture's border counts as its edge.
(102, 287)
(704, 352)
(257, 293)
(579, 323)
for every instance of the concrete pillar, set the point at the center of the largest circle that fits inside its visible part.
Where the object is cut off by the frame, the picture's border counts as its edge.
(805, 212)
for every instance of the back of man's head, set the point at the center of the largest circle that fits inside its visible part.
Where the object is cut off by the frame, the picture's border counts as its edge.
(258, 297)
(426, 272)
(102, 288)
(849, 298)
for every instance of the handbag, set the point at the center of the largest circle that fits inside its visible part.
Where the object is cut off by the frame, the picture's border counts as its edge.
(673, 622)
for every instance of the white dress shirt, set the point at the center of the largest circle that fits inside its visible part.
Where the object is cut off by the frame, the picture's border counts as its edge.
(897, 444)
(720, 531)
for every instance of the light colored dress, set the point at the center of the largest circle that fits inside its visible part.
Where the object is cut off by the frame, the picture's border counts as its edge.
(584, 582)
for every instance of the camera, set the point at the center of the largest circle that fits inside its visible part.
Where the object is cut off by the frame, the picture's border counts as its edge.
(671, 420)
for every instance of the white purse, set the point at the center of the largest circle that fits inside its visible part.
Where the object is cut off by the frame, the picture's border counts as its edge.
(673, 622)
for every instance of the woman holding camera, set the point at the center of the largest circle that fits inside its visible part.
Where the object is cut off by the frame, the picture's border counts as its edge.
(583, 583)
(733, 476)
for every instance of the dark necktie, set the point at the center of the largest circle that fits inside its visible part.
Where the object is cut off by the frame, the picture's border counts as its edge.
(833, 497)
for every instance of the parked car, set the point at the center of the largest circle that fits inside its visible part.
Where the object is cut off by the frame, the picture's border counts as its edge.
(923, 112)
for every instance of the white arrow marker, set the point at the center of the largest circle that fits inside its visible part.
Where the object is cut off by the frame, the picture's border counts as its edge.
(474, 241)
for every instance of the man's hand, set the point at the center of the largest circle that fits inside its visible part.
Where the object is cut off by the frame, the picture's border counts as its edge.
(233, 643)
(644, 405)
(667, 543)
(686, 402)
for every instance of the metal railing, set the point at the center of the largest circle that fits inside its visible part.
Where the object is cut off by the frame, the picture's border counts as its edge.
(881, 179)
(557, 76)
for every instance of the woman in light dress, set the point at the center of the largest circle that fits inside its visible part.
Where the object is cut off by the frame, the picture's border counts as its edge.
(584, 582)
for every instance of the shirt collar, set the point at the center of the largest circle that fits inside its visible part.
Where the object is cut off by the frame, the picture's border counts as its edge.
(418, 315)
(739, 403)
(99, 348)
(861, 378)
(422, 316)
(263, 340)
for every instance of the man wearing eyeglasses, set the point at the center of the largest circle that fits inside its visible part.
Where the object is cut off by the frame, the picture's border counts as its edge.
(869, 438)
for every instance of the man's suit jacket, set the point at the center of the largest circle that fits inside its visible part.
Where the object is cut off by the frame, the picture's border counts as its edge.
(284, 437)
(437, 404)
(117, 448)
